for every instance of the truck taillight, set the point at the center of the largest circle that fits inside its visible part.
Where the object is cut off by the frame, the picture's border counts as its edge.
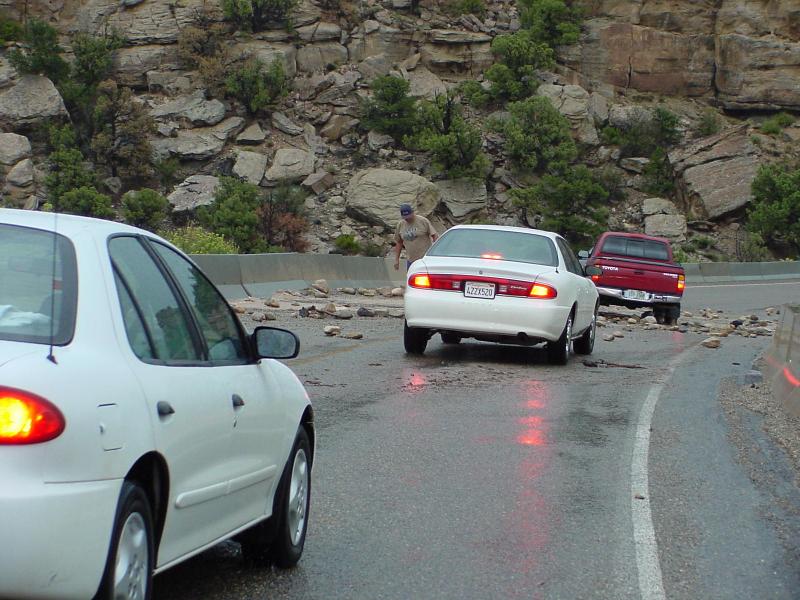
(27, 418)
(681, 282)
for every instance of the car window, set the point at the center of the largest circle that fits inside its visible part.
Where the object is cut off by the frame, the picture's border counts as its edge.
(635, 248)
(572, 263)
(38, 286)
(161, 313)
(214, 316)
(138, 337)
(496, 243)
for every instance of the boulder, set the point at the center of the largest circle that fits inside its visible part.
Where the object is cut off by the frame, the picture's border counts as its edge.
(375, 195)
(33, 100)
(463, 197)
(337, 85)
(373, 38)
(291, 164)
(374, 66)
(252, 135)
(318, 57)
(194, 191)
(658, 206)
(197, 144)
(22, 173)
(7, 72)
(13, 148)
(319, 32)
(319, 182)
(573, 102)
(283, 123)
(670, 226)
(376, 141)
(250, 166)
(193, 108)
(172, 83)
(424, 84)
(337, 126)
(454, 52)
(131, 65)
(267, 52)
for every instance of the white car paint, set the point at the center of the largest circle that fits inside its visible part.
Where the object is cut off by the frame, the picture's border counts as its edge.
(502, 317)
(58, 499)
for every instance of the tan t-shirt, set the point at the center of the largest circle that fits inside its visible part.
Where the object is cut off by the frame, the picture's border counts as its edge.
(416, 236)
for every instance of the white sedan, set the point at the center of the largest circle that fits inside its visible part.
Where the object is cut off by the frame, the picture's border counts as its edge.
(139, 423)
(509, 285)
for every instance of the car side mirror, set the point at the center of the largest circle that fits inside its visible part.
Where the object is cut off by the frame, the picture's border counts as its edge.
(271, 342)
(591, 271)
(583, 254)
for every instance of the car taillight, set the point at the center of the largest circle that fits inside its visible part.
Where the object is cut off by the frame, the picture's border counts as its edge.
(419, 281)
(681, 282)
(27, 418)
(540, 290)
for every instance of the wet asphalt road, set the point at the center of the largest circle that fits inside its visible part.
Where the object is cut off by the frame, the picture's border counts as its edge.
(480, 471)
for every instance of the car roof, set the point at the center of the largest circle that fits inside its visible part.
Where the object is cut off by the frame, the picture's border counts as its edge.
(67, 225)
(638, 236)
(509, 228)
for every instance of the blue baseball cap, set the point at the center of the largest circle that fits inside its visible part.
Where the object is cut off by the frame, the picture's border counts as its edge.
(405, 209)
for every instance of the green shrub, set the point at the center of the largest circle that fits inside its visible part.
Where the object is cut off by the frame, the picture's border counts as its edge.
(645, 135)
(41, 53)
(10, 30)
(86, 201)
(196, 43)
(474, 93)
(371, 249)
(67, 171)
(571, 203)
(775, 209)
(94, 56)
(657, 175)
(146, 209)
(774, 125)
(709, 124)
(257, 15)
(196, 240)
(281, 220)
(679, 256)
(233, 214)
(257, 86)
(538, 137)
(611, 180)
(611, 136)
(750, 247)
(552, 22)
(347, 244)
(390, 110)
(166, 170)
(520, 56)
(454, 144)
(468, 7)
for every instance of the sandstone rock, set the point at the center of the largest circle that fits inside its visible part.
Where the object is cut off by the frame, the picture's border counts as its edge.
(250, 166)
(322, 286)
(194, 191)
(374, 66)
(33, 100)
(353, 335)
(424, 84)
(13, 148)
(131, 65)
(672, 227)
(626, 116)
(374, 38)
(172, 83)
(252, 135)
(658, 206)
(189, 145)
(377, 141)
(319, 32)
(267, 52)
(319, 182)
(291, 164)
(7, 73)
(349, 291)
(608, 337)
(463, 196)
(21, 175)
(457, 53)
(337, 126)
(338, 86)
(283, 123)
(318, 57)
(331, 330)
(711, 342)
(397, 292)
(634, 165)
(304, 12)
(572, 101)
(375, 195)
(193, 108)
(343, 313)
(367, 292)
(411, 62)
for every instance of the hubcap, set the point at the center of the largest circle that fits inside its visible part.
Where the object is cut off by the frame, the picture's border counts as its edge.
(594, 329)
(298, 496)
(133, 560)
(569, 336)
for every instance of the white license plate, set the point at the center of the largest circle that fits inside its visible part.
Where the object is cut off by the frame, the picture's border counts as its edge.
(635, 295)
(473, 289)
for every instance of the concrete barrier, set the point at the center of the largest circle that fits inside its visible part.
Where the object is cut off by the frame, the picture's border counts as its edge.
(780, 270)
(715, 272)
(692, 272)
(782, 360)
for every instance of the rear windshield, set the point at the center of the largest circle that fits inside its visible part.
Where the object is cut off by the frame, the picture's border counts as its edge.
(497, 244)
(37, 293)
(635, 248)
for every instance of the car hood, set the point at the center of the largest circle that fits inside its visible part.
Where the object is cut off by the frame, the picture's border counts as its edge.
(453, 265)
(10, 351)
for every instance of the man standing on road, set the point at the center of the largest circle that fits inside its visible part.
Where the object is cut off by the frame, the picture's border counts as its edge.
(414, 233)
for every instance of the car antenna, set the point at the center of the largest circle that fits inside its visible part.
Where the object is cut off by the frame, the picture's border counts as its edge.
(50, 356)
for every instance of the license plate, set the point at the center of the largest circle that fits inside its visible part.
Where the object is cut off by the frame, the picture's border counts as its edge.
(473, 289)
(635, 295)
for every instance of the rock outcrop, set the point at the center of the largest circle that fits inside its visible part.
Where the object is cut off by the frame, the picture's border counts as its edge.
(375, 195)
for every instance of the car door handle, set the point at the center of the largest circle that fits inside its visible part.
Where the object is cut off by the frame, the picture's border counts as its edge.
(164, 409)
(238, 402)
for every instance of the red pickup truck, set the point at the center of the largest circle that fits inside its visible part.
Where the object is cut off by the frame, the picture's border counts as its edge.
(637, 271)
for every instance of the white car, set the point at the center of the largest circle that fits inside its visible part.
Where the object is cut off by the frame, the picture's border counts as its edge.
(139, 424)
(509, 285)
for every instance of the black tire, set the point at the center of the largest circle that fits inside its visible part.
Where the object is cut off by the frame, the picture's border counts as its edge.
(280, 539)
(450, 338)
(585, 343)
(660, 314)
(672, 314)
(415, 339)
(558, 352)
(132, 534)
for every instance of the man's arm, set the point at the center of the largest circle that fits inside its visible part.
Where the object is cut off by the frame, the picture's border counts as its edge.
(398, 248)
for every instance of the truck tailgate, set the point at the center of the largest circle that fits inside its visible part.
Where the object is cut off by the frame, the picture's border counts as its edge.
(642, 275)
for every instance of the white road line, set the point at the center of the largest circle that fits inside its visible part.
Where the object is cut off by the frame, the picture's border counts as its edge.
(651, 586)
(739, 284)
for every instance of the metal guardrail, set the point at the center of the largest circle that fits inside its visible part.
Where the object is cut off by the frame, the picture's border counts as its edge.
(782, 360)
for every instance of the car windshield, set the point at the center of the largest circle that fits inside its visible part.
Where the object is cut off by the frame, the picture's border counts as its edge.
(497, 244)
(38, 291)
(635, 248)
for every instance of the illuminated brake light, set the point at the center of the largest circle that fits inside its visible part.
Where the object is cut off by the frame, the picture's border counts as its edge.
(420, 281)
(28, 419)
(681, 282)
(492, 256)
(540, 290)
(595, 277)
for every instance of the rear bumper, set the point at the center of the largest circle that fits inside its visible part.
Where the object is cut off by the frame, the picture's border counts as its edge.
(58, 536)
(501, 316)
(609, 295)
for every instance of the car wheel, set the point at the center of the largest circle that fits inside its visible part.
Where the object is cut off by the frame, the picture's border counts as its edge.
(672, 314)
(450, 338)
(129, 566)
(415, 339)
(558, 351)
(280, 539)
(585, 343)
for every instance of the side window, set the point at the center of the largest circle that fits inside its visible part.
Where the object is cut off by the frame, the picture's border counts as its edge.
(572, 263)
(214, 316)
(134, 326)
(155, 305)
